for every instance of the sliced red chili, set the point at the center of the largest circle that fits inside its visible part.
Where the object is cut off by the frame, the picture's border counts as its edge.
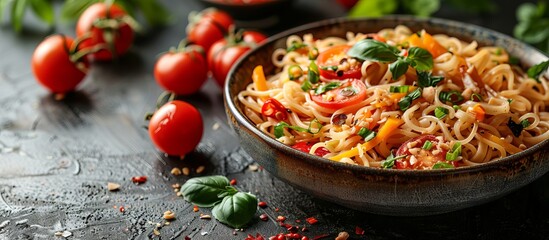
(274, 109)
(306, 147)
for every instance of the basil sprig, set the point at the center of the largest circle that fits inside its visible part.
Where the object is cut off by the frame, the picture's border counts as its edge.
(230, 206)
(536, 70)
(369, 49)
(279, 128)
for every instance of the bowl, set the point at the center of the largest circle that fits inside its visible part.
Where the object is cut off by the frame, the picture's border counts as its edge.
(384, 191)
(249, 9)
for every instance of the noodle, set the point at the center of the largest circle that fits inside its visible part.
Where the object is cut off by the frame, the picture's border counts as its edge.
(476, 107)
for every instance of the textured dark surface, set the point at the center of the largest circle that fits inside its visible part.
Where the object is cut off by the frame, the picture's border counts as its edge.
(56, 157)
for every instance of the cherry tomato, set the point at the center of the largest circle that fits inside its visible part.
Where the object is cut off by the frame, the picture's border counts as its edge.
(176, 128)
(208, 26)
(336, 57)
(107, 27)
(306, 147)
(225, 52)
(273, 108)
(182, 71)
(349, 93)
(52, 66)
(423, 159)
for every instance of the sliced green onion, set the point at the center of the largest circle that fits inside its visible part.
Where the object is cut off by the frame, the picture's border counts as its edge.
(296, 46)
(441, 165)
(306, 85)
(279, 128)
(313, 53)
(477, 96)
(294, 72)
(399, 89)
(390, 161)
(329, 68)
(450, 96)
(313, 73)
(367, 134)
(427, 145)
(406, 101)
(441, 112)
(454, 153)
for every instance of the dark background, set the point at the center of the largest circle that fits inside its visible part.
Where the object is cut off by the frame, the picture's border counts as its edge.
(56, 157)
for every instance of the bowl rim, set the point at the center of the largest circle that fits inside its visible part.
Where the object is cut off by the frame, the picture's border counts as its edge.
(320, 161)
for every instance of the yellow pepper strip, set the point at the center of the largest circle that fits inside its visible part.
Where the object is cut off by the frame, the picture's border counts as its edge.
(508, 147)
(382, 135)
(258, 76)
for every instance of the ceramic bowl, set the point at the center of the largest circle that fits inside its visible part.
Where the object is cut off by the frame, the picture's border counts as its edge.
(249, 10)
(384, 191)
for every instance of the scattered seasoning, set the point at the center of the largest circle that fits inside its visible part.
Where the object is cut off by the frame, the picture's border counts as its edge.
(4, 224)
(186, 171)
(233, 181)
(139, 179)
(58, 234)
(263, 217)
(215, 126)
(311, 220)
(169, 215)
(292, 229)
(262, 204)
(342, 236)
(176, 186)
(297, 221)
(200, 169)
(359, 231)
(253, 167)
(187, 238)
(195, 208)
(277, 209)
(175, 171)
(205, 216)
(166, 223)
(321, 236)
(156, 232)
(280, 219)
(113, 186)
(122, 209)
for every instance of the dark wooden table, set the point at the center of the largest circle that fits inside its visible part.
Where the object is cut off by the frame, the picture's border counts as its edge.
(56, 157)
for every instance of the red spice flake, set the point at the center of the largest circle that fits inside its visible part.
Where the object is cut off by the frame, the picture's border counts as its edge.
(263, 217)
(321, 236)
(195, 208)
(285, 225)
(233, 181)
(280, 219)
(304, 238)
(262, 204)
(277, 209)
(359, 230)
(139, 179)
(304, 229)
(279, 236)
(187, 238)
(311, 220)
(297, 221)
(259, 237)
(292, 229)
(293, 235)
(122, 209)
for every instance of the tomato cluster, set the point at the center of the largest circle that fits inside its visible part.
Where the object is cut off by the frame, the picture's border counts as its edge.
(104, 31)
(212, 44)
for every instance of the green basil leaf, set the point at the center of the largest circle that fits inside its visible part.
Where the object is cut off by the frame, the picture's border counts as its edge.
(17, 12)
(440, 165)
(529, 11)
(327, 87)
(422, 8)
(72, 9)
(399, 68)
(44, 10)
(236, 210)
(516, 128)
(420, 59)
(424, 79)
(367, 134)
(204, 191)
(155, 13)
(538, 69)
(441, 112)
(373, 8)
(369, 49)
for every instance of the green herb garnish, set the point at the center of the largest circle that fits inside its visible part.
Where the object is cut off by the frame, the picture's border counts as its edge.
(399, 89)
(279, 128)
(536, 70)
(441, 112)
(454, 153)
(427, 145)
(477, 96)
(327, 87)
(294, 72)
(441, 165)
(406, 101)
(367, 134)
(453, 96)
(424, 79)
(390, 161)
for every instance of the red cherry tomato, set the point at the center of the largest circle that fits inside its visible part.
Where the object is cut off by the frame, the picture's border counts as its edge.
(423, 159)
(349, 93)
(176, 128)
(182, 72)
(306, 147)
(98, 21)
(222, 55)
(52, 66)
(335, 56)
(208, 26)
(273, 108)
